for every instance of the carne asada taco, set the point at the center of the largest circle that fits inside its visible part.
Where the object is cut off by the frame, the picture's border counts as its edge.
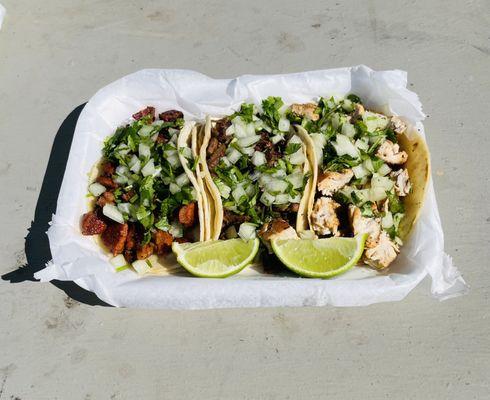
(256, 170)
(147, 190)
(372, 174)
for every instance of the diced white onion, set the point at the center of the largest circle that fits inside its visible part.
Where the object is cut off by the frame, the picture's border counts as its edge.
(141, 266)
(248, 151)
(284, 125)
(174, 132)
(118, 261)
(96, 189)
(294, 199)
(135, 164)
(319, 142)
(176, 230)
(258, 158)
(382, 181)
(277, 186)
(149, 168)
(238, 193)
(360, 171)
(173, 160)
(281, 199)
(250, 128)
(276, 139)
(224, 190)
(111, 211)
(368, 164)
(125, 208)
(186, 152)
(247, 231)
(347, 105)
(233, 155)
(377, 194)
(387, 221)
(146, 130)
(295, 139)
(348, 130)
(344, 146)
(361, 145)
(280, 173)
(174, 188)
(240, 130)
(122, 170)
(374, 121)
(182, 179)
(248, 141)
(144, 150)
(267, 199)
(384, 170)
(230, 130)
(296, 179)
(297, 158)
(121, 179)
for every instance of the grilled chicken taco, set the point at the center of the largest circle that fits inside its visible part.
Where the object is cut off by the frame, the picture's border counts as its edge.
(147, 190)
(372, 174)
(256, 170)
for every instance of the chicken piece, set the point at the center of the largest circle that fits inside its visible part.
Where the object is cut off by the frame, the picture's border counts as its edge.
(171, 115)
(105, 198)
(143, 113)
(324, 220)
(398, 125)
(106, 182)
(306, 110)
(92, 224)
(277, 229)
(230, 218)
(360, 224)
(402, 184)
(187, 214)
(390, 152)
(357, 113)
(330, 182)
(163, 242)
(383, 254)
(145, 251)
(114, 237)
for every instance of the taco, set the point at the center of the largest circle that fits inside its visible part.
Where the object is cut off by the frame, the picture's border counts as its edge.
(256, 171)
(147, 190)
(372, 176)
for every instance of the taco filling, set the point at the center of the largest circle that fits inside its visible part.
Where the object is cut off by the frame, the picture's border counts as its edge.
(363, 176)
(256, 170)
(143, 198)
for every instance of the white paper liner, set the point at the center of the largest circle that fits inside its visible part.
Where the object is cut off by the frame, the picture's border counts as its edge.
(78, 258)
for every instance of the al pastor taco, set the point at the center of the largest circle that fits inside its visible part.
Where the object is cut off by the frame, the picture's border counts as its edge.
(147, 190)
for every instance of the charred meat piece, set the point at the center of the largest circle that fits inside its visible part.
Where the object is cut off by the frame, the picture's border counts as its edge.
(277, 229)
(144, 251)
(305, 110)
(130, 245)
(272, 153)
(163, 242)
(105, 198)
(143, 113)
(230, 218)
(171, 115)
(108, 169)
(219, 130)
(187, 214)
(92, 223)
(107, 182)
(128, 196)
(215, 157)
(114, 237)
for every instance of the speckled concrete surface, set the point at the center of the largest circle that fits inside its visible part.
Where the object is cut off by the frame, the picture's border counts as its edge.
(55, 54)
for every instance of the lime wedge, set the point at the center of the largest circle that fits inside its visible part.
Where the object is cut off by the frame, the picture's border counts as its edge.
(216, 259)
(319, 258)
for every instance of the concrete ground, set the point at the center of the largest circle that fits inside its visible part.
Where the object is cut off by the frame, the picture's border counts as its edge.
(55, 54)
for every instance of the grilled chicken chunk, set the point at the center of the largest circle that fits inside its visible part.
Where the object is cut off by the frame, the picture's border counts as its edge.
(402, 184)
(324, 220)
(390, 152)
(307, 110)
(330, 182)
(383, 254)
(398, 125)
(360, 224)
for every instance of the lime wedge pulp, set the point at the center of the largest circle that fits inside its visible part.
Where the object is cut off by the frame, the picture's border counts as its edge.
(319, 258)
(216, 259)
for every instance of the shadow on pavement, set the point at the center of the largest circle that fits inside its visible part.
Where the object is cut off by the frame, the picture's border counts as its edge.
(36, 242)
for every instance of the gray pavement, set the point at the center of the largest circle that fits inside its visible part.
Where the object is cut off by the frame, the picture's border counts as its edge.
(54, 55)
